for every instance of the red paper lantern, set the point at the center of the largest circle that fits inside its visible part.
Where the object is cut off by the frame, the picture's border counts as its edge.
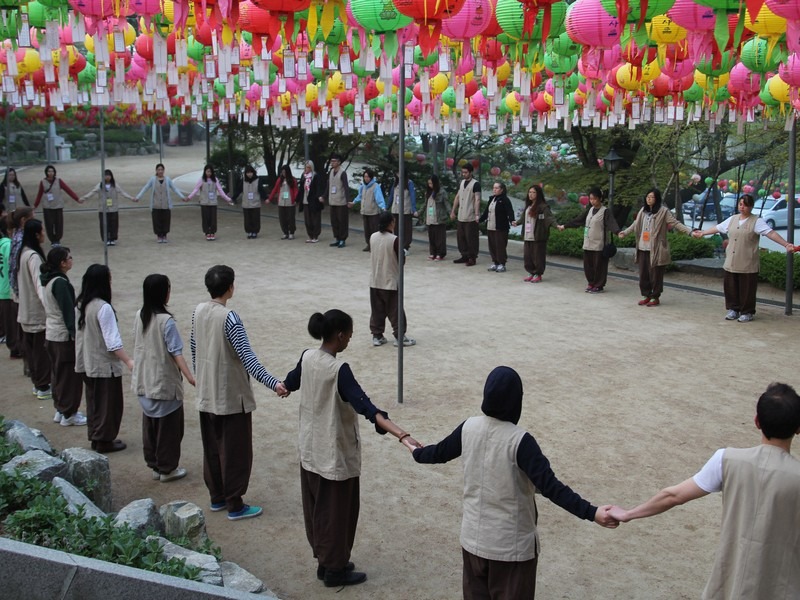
(776, 194)
(428, 14)
(495, 171)
(449, 162)
(516, 179)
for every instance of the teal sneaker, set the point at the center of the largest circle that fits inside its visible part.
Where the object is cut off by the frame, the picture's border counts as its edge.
(247, 512)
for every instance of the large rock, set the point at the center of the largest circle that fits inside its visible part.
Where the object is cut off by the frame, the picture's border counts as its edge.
(142, 516)
(37, 464)
(76, 499)
(28, 439)
(623, 259)
(210, 571)
(89, 471)
(235, 577)
(183, 519)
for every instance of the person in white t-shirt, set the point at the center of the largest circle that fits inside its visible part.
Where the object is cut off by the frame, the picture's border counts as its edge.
(758, 555)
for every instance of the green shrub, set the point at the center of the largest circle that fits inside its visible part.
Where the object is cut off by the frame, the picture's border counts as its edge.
(773, 269)
(567, 212)
(37, 514)
(684, 247)
(566, 243)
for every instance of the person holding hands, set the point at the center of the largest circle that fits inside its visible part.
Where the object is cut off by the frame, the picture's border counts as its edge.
(742, 258)
(330, 447)
(503, 467)
(536, 220)
(52, 189)
(467, 206)
(284, 192)
(108, 192)
(651, 252)
(208, 187)
(498, 215)
(757, 556)
(160, 202)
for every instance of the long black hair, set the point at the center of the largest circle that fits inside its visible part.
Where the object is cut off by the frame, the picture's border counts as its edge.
(286, 171)
(55, 257)
(657, 206)
(534, 208)
(212, 177)
(96, 283)
(250, 169)
(155, 291)
(436, 185)
(30, 239)
(108, 172)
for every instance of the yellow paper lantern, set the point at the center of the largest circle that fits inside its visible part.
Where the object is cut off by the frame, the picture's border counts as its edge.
(169, 13)
(628, 78)
(335, 85)
(778, 88)
(439, 84)
(664, 30)
(312, 93)
(286, 99)
(128, 34)
(512, 102)
(380, 86)
(30, 63)
(72, 56)
(445, 110)
(711, 82)
(503, 72)
(766, 24)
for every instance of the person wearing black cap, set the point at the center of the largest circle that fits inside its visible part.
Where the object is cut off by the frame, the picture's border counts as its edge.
(503, 466)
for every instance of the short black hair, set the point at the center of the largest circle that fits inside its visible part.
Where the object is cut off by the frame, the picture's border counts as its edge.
(596, 191)
(468, 166)
(748, 200)
(219, 280)
(778, 411)
(384, 220)
(657, 206)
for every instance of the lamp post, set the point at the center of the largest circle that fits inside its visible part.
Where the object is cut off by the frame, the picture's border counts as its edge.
(612, 162)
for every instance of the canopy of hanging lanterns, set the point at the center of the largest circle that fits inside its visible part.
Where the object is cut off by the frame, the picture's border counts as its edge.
(482, 65)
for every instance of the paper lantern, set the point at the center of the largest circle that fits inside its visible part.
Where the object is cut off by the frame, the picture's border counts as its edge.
(766, 24)
(589, 24)
(429, 15)
(790, 70)
(511, 17)
(564, 46)
(378, 15)
(778, 88)
(495, 171)
(757, 57)
(664, 30)
(744, 81)
(470, 21)
(692, 16)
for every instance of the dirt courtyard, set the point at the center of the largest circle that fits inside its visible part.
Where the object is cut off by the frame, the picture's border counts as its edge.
(623, 399)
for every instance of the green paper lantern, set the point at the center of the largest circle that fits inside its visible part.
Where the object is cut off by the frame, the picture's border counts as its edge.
(722, 94)
(565, 46)
(449, 97)
(767, 99)
(379, 16)
(706, 66)
(424, 61)
(694, 93)
(654, 8)
(88, 76)
(560, 64)
(754, 56)
(11, 27)
(195, 50)
(511, 19)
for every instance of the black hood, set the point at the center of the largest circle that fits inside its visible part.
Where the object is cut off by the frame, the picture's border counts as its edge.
(46, 278)
(502, 395)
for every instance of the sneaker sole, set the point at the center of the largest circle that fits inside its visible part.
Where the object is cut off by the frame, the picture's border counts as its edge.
(249, 516)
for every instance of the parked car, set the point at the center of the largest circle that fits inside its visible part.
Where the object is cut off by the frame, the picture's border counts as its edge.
(702, 206)
(778, 215)
(763, 205)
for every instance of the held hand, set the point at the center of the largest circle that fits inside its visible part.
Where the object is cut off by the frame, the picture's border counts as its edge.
(129, 364)
(618, 513)
(281, 390)
(452, 215)
(560, 227)
(410, 443)
(349, 205)
(190, 380)
(621, 235)
(136, 199)
(603, 518)
(514, 223)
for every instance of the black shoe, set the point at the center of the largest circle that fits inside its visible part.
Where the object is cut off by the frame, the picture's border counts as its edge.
(336, 243)
(366, 249)
(321, 570)
(460, 261)
(343, 577)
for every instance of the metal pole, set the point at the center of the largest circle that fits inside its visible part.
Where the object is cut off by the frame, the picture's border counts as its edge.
(401, 172)
(208, 142)
(160, 144)
(790, 224)
(610, 195)
(305, 147)
(8, 136)
(102, 181)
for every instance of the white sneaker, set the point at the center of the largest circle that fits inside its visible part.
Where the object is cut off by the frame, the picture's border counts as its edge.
(77, 419)
(745, 318)
(57, 417)
(378, 341)
(492, 268)
(178, 473)
(44, 394)
(156, 475)
(407, 341)
(732, 315)
(291, 236)
(501, 268)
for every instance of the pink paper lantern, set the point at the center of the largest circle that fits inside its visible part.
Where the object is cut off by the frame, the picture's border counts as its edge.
(473, 18)
(495, 171)
(790, 70)
(744, 81)
(589, 24)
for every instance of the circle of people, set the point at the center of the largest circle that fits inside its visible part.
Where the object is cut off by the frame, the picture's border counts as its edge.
(71, 344)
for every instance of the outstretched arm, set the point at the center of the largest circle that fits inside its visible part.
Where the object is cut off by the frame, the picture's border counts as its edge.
(664, 500)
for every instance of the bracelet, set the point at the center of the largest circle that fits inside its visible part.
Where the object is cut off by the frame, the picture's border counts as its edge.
(402, 437)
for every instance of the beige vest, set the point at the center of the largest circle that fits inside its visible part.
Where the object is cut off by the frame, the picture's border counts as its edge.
(368, 204)
(329, 439)
(155, 373)
(499, 521)
(594, 231)
(285, 195)
(160, 195)
(91, 356)
(250, 196)
(758, 557)
(56, 330)
(406, 201)
(51, 197)
(385, 268)
(491, 222)
(466, 201)
(109, 197)
(222, 383)
(208, 193)
(31, 316)
(528, 227)
(13, 196)
(742, 253)
(337, 195)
